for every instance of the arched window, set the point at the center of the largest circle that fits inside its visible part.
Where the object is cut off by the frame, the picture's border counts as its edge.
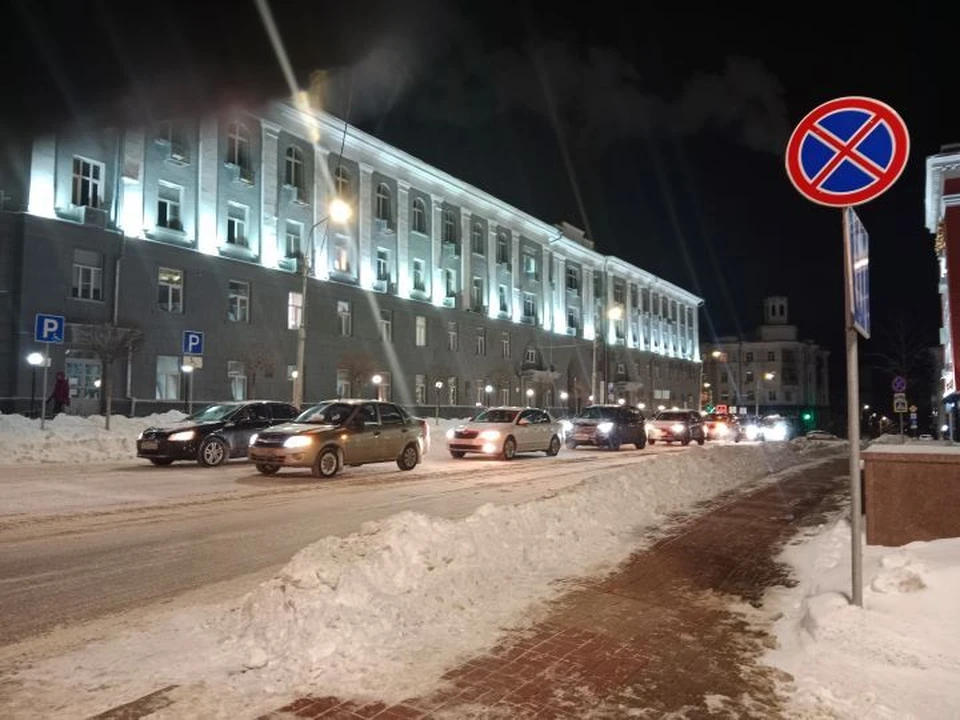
(419, 221)
(293, 168)
(449, 232)
(238, 145)
(476, 239)
(341, 182)
(383, 202)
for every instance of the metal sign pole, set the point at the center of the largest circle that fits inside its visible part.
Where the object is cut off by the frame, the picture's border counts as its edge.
(902, 438)
(853, 419)
(43, 399)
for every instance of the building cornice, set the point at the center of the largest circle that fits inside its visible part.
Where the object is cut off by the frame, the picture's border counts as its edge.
(939, 167)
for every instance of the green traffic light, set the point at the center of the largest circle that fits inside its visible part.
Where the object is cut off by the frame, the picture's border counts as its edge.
(807, 417)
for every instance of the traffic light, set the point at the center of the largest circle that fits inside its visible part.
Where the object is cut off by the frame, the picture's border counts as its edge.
(807, 417)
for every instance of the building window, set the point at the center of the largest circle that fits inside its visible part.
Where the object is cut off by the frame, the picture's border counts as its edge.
(788, 396)
(449, 231)
(170, 295)
(174, 134)
(293, 170)
(453, 337)
(477, 239)
(618, 294)
(505, 345)
(529, 305)
(634, 297)
(480, 346)
(294, 242)
(502, 295)
(294, 310)
(478, 295)
(503, 248)
(771, 395)
(771, 356)
(341, 259)
(383, 202)
(345, 316)
(420, 389)
(452, 390)
(341, 182)
(573, 280)
(87, 183)
(504, 396)
(749, 357)
(344, 389)
(450, 282)
(383, 265)
(168, 377)
(420, 340)
(748, 376)
(169, 198)
(530, 266)
(238, 300)
(238, 145)
(386, 325)
(572, 318)
(384, 389)
(419, 279)
(419, 221)
(87, 275)
(530, 356)
(237, 377)
(237, 224)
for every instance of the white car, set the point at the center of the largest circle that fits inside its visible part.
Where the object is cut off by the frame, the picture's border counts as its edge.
(506, 431)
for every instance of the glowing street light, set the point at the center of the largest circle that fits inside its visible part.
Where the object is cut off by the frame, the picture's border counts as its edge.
(188, 371)
(439, 386)
(34, 360)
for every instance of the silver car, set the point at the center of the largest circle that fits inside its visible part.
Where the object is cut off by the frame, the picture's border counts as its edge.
(505, 431)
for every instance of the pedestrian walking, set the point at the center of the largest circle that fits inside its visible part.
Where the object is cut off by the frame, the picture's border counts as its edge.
(61, 394)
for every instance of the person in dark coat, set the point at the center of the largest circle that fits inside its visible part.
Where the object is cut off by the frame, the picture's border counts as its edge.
(61, 394)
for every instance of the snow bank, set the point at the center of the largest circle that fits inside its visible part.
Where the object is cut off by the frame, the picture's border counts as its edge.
(74, 439)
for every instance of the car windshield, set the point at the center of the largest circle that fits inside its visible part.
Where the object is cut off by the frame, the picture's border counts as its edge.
(335, 413)
(595, 412)
(212, 413)
(496, 415)
(673, 416)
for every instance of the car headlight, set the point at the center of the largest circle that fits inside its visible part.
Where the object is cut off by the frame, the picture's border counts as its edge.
(253, 438)
(297, 441)
(751, 432)
(490, 435)
(140, 436)
(721, 428)
(605, 427)
(678, 428)
(183, 436)
(450, 434)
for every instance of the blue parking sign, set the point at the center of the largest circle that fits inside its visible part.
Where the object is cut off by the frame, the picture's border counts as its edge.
(192, 342)
(49, 328)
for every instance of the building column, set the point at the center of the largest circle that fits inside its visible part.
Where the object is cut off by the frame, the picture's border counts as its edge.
(269, 158)
(493, 292)
(365, 220)
(515, 275)
(466, 255)
(436, 229)
(587, 302)
(403, 239)
(608, 304)
(131, 189)
(208, 169)
(546, 301)
(560, 296)
(320, 236)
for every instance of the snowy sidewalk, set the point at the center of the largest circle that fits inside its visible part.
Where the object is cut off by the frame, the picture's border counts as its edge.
(655, 638)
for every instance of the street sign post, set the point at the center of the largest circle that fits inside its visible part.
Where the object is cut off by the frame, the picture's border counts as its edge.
(192, 342)
(844, 153)
(899, 403)
(47, 329)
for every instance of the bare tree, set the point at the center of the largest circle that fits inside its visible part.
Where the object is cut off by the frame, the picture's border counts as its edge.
(258, 361)
(901, 346)
(360, 369)
(109, 343)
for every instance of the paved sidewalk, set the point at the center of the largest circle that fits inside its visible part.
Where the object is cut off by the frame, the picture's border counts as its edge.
(653, 639)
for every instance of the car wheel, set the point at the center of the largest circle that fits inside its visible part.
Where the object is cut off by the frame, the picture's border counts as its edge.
(613, 442)
(161, 462)
(408, 458)
(327, 463)
(554, 447)
(685, 441)
(652, 442)
(571, 444)
(737, 438)
(701, 440)
(457, 454)
(267, 468)
(509, 449)
(641, 443)
(213, 452)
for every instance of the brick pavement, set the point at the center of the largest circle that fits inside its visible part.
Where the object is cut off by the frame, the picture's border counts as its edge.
(659, 637)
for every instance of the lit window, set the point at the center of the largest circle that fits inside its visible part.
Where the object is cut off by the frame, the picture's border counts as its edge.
(237, 377)
(529, 305)
(87, 275)
(384, 389)
(386, 325)
(168, 377)
(343, 383)
(87, 183)
(419, 220)
(477, 239)
(293, 170)
(294, 310)
(420, 389)
(573, 280)
(530, 268)
(421, 331)
(345, 316)
(383, 265)
(294, 235)
(341, 182)
(238, 145)
(341, 260)
(530, 355)
(383, 202)
(170, 290)
(237, 224)
(238, 301)
(168, 206)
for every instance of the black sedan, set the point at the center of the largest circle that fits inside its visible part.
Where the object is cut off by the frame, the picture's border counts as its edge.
(608, 426)
(212, 435)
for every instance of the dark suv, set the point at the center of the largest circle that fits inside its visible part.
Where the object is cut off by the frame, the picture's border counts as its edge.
(608, 426)
(676, 426)
(213, 435)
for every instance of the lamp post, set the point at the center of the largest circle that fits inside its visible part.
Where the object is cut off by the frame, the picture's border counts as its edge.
(614, 313)
(35, 360)
(756, 395)
(340, 212)
(188, 371)
(488, 390)
(529, 394)
(439, 386)
(376, 380)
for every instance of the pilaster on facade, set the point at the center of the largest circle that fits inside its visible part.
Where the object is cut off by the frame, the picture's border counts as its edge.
(608, 322)
(365, 222)
(403, 239)
(546, 299)
(208, 169)
(317, 241)
(559, 294)
(587, 304)
(515, 275)
(466, 251)
(43, 163)
(269, 160)
(493, 292)
(131, 189)
(437, 289)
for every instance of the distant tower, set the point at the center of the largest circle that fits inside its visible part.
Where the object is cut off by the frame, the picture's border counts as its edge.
(775, 311)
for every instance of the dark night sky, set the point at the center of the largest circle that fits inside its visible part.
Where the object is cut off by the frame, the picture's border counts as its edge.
(661, 132)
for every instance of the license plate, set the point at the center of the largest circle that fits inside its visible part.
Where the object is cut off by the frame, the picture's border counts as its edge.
(149, 445)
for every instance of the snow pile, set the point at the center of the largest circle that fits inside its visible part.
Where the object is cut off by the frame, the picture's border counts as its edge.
(75, 439)
(896, 655)
(384, 612)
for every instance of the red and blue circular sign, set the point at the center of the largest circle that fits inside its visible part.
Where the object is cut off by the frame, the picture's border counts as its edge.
(847, 151)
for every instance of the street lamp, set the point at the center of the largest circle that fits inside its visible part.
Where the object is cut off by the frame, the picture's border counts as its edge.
(756, 395)
(488, 390)
(439, 386)
(529, 394)
(35, 360)
(188, 371)
(376, 380)
(614, 313)
(340, 212)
